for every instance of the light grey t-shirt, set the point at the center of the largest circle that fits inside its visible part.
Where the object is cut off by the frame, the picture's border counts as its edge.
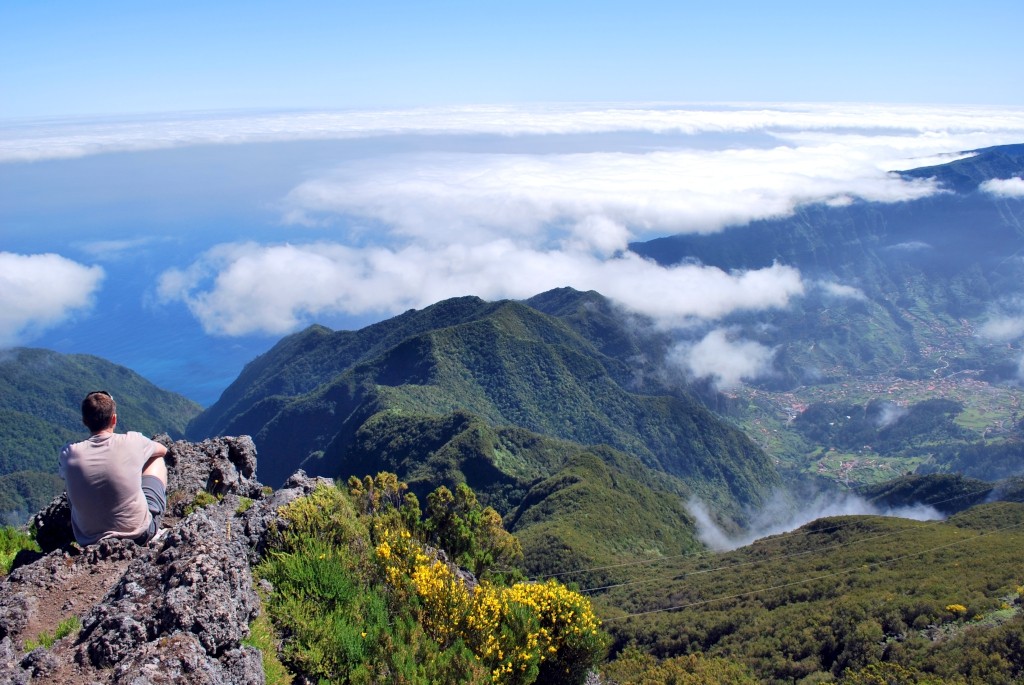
(103, 477)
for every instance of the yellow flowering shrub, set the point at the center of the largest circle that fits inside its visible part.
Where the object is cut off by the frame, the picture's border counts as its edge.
(526, 633)
(519, 634)
(339, 621)
(444, 600)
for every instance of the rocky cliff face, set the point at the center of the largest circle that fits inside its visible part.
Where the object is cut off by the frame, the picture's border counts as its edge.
(175, 610)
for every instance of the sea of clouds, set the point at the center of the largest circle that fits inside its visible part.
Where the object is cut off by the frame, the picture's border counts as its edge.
(510, 214)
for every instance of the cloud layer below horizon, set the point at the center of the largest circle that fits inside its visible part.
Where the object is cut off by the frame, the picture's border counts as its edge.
(949, 128)
(242, 288)
(409, 228)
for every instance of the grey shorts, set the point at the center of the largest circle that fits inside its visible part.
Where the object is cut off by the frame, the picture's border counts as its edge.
(156, 500)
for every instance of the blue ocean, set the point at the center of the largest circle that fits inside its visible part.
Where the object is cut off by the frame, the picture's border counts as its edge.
(168, 206)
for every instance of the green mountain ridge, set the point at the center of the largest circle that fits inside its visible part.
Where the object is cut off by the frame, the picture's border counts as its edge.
(512, 401)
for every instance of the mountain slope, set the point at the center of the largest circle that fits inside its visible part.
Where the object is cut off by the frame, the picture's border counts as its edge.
(511, 366)
(893, 286)
(844, 594)
(556, 492)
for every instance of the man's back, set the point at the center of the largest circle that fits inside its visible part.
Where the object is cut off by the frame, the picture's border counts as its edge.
(101, 474)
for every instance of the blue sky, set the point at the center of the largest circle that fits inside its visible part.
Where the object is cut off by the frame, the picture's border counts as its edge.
(62, 58)
(181, 184)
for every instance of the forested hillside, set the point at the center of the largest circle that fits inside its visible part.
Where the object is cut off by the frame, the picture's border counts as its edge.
(849, 600)
(539, 413)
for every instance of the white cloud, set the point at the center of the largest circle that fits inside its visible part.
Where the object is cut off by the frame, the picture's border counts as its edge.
(841, 291)
(435, 225)
(1004, 187)
(781, 514)
(909, 246)
(727, 362)
(112, 250)
(1002, 328)
(890, 414)
(236, 289)
(41, 290)
(935, 129)
(438, 197)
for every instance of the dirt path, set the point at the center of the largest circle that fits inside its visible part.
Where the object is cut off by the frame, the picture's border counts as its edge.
(61, 585)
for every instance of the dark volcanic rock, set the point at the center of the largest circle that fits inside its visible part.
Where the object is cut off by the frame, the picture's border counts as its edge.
(53, 524)
(181, 659)
(196, 582)
(173, 611)
(219, 466)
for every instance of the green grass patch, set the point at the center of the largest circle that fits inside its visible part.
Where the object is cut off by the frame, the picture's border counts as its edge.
(12, 541)
(71, 624)
(262, 637)
(201, 500)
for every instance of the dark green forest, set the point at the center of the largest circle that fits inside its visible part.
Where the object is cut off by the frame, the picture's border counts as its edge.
(841, 599)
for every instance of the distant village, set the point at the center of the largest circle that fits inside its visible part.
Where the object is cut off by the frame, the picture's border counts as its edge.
(990, 410)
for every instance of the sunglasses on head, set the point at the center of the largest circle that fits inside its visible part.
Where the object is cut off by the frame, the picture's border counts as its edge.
(100, 392)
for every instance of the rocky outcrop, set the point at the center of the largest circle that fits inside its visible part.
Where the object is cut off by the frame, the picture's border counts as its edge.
(175, 610)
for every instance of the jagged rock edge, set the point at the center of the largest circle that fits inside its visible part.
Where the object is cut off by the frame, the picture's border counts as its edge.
(183, 604)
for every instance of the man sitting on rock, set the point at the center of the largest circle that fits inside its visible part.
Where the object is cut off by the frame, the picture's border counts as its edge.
(116, 482)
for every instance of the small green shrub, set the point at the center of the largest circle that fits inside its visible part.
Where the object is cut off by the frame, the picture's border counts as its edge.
(201, 500)
(13, 541)
(72, 624)
(634, 667)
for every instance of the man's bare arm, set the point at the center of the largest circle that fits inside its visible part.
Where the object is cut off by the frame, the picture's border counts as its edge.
(155, 465)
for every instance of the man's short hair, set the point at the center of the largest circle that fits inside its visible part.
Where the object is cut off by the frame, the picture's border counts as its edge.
(98, 409)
